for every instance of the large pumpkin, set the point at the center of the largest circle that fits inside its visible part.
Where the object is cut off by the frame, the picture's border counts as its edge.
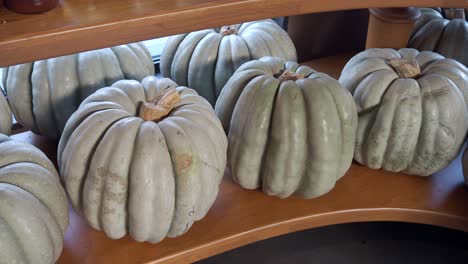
(5, 115)
(33, 205)
(204, 60)
(412, 114)
(125, 172)
(444, 31)
(43, 94)
(291, 129)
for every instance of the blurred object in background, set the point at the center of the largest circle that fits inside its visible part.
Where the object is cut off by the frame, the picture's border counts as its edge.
(30, 6)
(329, 33)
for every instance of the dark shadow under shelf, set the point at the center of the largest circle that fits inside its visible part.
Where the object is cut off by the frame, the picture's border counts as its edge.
(363, 243)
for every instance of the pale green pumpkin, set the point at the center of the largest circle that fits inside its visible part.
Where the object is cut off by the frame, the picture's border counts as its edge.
(5, 115)
(43, 94)
(291, 129)
(149, 179)
(33, 205)
(415, 123)
(205, 60)
(444, 31)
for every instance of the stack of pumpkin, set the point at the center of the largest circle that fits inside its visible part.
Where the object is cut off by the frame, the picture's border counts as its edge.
(145, 156)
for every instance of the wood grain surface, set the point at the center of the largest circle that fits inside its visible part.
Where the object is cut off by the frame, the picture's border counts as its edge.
(239, 216)
(79, 25)
(391, 27)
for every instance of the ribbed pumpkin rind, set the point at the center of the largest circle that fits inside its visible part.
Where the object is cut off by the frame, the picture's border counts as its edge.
(290, 138)
(433, 32)
(44, 94)
(204, 60)
(414, 125)
(34, 208)
(148, 179)
(5, 115)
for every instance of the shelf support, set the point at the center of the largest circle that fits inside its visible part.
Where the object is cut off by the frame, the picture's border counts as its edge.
(390, 27)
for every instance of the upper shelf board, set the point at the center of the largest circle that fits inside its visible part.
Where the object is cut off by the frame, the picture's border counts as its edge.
(80, 25)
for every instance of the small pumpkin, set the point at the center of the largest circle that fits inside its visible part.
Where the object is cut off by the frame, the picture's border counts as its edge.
(5, 115)
(204, 60)
(412, 112)
(145, 158)
(291, 129)
(444, 31)
(43, 94)
(33, 207)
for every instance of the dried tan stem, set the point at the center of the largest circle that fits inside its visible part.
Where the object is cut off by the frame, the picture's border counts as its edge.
(290, 76)
(228, 30)
(406, 67)
(160, 106)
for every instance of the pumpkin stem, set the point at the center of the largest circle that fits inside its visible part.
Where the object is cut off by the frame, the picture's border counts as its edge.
(160, 106)
(290, 76)
(228, 30)
(406, 67)
(454, 13)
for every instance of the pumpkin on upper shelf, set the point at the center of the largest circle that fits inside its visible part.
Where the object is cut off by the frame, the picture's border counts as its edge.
(290, 129)
(204, 60)
(145, 158)
(411, 105)
(444, 31)
(5, 115)
(33, 205)
(44, 94)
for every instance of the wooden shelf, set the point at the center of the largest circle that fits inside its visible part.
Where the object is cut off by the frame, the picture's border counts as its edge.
(79, 25)
(239, 216)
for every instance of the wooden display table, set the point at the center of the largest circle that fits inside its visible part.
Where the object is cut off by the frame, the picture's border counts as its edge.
(240, 216)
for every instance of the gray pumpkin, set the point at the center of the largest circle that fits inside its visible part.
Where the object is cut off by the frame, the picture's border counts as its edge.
(437, 30)
(291, 129)
(204, 60)
(33, 207)
(412, 112)
(43, 94)
(151, 179)
(5, 115)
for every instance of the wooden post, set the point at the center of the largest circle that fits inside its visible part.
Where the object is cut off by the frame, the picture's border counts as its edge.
(390, 27)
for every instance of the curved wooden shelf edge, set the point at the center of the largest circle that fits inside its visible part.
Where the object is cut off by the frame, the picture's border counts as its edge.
(315, 221)
(239, 217)
(80, 25)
